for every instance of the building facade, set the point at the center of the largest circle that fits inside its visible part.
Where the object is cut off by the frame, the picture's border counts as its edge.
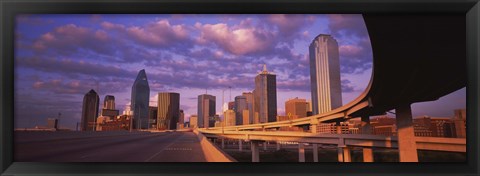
(296, 108)
(52, 123)
(240, 106)
(325, 74)
(249, 97)
(152, 117)
(89, 111)
(205, 109)
(229, 118)
(140, 101)
(168, 110)
(265, 96)
(109, 102)
(193, 123)
(181, 120)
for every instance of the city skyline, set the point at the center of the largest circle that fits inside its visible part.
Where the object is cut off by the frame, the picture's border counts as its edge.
(53, 66)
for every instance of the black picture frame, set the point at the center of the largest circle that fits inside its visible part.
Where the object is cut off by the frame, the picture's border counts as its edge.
(469, 9)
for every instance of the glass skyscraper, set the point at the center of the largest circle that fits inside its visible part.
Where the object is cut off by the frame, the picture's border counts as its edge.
(109, 102)
(265, 96)
(140, 101)
(240, 105)
(168, 110)
(89, 110)
(206, 109)
(325, 74)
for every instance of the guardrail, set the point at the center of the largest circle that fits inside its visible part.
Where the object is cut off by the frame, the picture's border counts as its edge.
(353, 140)
(212, 153)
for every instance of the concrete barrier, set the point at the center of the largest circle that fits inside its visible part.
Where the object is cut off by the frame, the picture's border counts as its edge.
(212, 153)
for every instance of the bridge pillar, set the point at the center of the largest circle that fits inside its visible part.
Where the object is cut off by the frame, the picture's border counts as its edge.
(223, 143)
(315, 152)
(340, 143)
(367, 154)
(240, 145)
(366, 129)
(255, 151)
(347, 157)
(278, 146)
(407, 147)
(265, 145)
(301, 152)
(340, 154)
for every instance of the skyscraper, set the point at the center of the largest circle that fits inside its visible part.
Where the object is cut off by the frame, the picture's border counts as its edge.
(140, 100)
(168, 110)
(193, 121)
(325, 74)
(240, 106)
(205, 109)
(152, 117)
(229, 117)
(109, 107)
(249, 97)
(181, 119)
(109, 102)
(90, 110)
(265, 96)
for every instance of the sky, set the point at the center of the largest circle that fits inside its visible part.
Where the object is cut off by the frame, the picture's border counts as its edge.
(59, 58)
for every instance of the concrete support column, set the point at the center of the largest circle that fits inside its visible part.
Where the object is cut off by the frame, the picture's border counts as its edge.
(265, 145)
(407, 147)
(255, 151)
(240, 145)
(223, 143)
(278, 146)
(315, 152)
(341, 143)
(347, 157)
(340, 154)
(367, 154)
(366, 129)
(301, 152)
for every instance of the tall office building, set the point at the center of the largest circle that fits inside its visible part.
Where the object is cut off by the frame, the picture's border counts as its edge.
(325, 74)
(109, 102)
(296, 108)
(265, 96)
(89, 110)
(152, 117)
(181, 119)
(193, 123)
(229, 117)
(140, 101)
(109, 107)
(231, 105)
(240, 106)
(249, 97)
(168, 110)
(206, 109)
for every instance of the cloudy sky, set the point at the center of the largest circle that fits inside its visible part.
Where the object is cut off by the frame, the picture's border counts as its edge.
(59, 58)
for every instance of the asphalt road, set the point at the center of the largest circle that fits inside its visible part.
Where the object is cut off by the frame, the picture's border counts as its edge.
(135, 147)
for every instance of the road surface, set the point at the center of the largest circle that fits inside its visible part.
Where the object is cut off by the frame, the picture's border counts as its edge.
(97, 147)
